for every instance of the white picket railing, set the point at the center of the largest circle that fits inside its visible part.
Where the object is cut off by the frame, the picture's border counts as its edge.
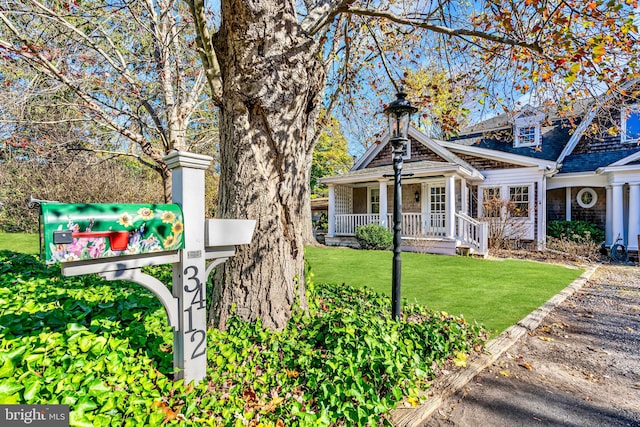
(346, 223)
(413, 224)
(473, 233)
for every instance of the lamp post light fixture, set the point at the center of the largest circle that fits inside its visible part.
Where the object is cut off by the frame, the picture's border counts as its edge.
(399, 115)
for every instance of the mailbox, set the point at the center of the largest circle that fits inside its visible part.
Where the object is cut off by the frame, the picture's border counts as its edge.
(75, 232)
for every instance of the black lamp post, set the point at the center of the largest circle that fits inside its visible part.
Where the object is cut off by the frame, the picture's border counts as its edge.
(399, 114)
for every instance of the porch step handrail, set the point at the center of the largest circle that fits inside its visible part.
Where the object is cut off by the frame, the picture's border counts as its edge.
(473, 233)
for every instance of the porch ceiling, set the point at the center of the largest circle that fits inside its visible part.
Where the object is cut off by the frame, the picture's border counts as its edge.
(418, 169)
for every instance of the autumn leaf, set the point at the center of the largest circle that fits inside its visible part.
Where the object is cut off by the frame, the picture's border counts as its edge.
(505, 373)
(413, 401)
(598, 52)
(249, 395)
(460, 359)
(526, 366)
(548, 339)
(292, 374)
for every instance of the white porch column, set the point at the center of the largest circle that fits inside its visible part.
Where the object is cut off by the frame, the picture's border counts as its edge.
(450, 206)
(542, 213)
(608, 227)
(332, 211)
(634, 215)
(617, 212)
(383, 202)
(567, 209)
(464, 196)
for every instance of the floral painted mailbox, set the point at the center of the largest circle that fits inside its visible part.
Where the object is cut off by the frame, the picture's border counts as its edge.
(75, 232)
(117, 240)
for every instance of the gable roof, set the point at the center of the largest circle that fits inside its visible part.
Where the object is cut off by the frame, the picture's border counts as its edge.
(414, 169)
(431, 144)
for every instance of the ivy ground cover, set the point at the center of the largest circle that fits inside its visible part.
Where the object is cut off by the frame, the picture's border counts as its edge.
(494, 293)
(105, 349)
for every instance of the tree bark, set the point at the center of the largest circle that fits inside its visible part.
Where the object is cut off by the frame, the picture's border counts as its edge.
(273, 80)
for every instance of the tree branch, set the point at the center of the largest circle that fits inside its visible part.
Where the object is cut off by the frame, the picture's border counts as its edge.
(453, 32)
(140, 159)
(206, 50)
(322, 13)
(51, 70)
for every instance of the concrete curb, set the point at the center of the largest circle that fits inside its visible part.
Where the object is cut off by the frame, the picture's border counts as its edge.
(415, 417)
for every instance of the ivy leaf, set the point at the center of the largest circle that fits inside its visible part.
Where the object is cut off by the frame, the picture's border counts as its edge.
(7, 369)
(9, 387)
(31, 389)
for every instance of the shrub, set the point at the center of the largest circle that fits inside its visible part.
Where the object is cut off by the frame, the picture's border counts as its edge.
(104, 348)
(374, 236)
(575, 231)
(585, 249)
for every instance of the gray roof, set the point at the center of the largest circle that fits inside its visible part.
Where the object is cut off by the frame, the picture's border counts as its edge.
(554, 137)
(588, 162)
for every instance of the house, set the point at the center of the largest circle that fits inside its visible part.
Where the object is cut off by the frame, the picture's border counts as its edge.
(542, 166)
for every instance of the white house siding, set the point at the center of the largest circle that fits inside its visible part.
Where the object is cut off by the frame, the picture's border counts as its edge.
(520, 177)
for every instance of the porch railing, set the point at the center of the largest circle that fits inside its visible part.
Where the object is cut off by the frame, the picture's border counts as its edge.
(469, 231)
(413, 224)
(473, 233)
(346, 224)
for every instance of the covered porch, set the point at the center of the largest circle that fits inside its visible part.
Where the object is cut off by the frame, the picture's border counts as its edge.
(436, 201)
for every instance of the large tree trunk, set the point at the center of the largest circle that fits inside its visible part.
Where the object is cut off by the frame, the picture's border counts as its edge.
(272, 83)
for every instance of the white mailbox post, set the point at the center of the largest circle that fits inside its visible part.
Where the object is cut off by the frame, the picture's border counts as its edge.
(207, 244)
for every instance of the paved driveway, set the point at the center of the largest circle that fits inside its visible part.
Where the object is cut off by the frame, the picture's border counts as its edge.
(579, 367)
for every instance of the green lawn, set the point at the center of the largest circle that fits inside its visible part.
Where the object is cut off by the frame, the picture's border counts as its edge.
(20, 242)
(495, 293)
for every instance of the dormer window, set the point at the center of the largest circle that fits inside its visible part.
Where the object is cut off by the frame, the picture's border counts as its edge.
(527, 128)
(526, 136)
(630, 123)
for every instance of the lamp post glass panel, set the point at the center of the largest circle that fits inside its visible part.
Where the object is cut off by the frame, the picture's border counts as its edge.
(399, 115)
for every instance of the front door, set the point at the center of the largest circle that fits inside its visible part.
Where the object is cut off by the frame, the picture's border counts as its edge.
(436, 210)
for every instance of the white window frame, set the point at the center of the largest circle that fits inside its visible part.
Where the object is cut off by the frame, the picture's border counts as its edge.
(483, 191)
(505, 196)
(594, 197)
(625, 113)
(525, 122)
(529, 202)
(370, 191)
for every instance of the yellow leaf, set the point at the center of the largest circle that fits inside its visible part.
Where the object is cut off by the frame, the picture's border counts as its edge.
(413, 401)
(575, 67)
(548, 339)
(460, 359)
(505, 373)
(597, 53)
(292, 374)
